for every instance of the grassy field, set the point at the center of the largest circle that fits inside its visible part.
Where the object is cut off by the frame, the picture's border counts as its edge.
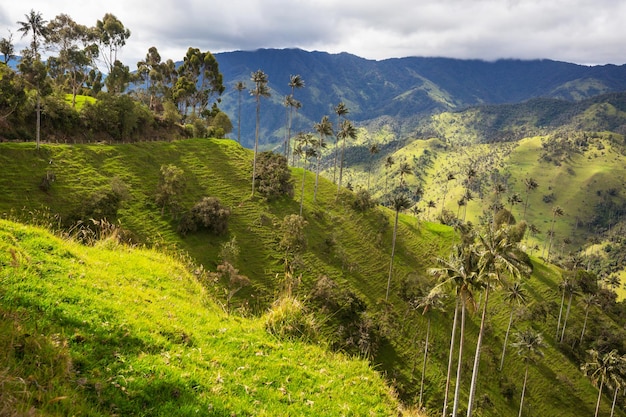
(350, 247)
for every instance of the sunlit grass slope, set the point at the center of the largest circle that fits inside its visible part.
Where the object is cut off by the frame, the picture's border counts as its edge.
(110, 330)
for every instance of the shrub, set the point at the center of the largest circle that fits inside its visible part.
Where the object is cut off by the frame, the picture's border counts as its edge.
(363, 200)
(288, 319)
(273, 177)
(208, 213)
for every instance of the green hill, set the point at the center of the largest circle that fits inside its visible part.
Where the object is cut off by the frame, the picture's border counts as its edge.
(341, 277)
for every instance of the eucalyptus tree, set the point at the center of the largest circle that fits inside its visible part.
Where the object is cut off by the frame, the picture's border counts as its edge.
(399, 202)
(202, 70)
(346, 131)
(7, 49)
(601, 367)
(239, 87)
(530, 184)
(459, 271)
(528, 344)
(260, 80)
(324, 128)
(500, 257)
(151, 72)
(295, 81)
(341, 110)
(111, 36)
(31, 64)
(515, 296)
(431, 301)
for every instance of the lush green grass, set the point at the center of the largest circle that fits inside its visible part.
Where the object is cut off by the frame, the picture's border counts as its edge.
(113, 330)
(81, 100)
(350, 247)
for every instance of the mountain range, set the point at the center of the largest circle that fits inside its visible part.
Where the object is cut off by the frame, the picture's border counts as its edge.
(404, 90)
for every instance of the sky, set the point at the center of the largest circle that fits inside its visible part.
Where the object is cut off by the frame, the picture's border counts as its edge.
(587, 32)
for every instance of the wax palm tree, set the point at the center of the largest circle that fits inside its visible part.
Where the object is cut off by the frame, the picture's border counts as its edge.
(346, 131)
(563, 285)
(430, 205)
(239, 86)
(556, 212)
(324, 129)
(404, 169)
(259, 78)
(431, 301)
(530, 184)
(588, 301)
(571, 289)
(515, 296)
(305, 149)
(373, 150)
(399, 202)
(388, 164)
(459, 271)
(35, 25)
(616, 381)
(513, 199)
(528, 344)
(295, 81)
(600, 367)
(449, 177)
(341, 110)
(500, 256)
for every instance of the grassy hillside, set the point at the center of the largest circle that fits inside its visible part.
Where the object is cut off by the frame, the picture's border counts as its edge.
(112, 330)
(346, 249)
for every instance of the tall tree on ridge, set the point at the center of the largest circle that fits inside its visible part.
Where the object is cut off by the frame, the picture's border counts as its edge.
(515, 296)
(528, 344)
(600, 367)
(239, 86)
(399, 202)
(259, 78)
(35, 25)
(324, 128)
(373, 150)
(295, 81)
(556, 211)
(530, 184)
(341, 110)
(346, 131)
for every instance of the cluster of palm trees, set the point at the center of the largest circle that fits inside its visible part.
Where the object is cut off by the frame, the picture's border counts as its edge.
(606, 369)
(481, 263)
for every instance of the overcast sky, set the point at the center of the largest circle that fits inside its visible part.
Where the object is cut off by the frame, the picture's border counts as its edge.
(580, 31)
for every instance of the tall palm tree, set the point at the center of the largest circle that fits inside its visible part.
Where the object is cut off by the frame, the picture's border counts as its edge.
(304, 148)
(616, 381)
(513, 199)
(449, 177)
(404, 169)
(399, 202)
(295, 81)
(324, 129)
(388, 164)
(346, 131)
(600, 367)
(588, 301)
(430, 205)
(373, 149)
(530, 184)
(571, 289)
(515, 296)
(563, 285)
(431, 301)
(239, 86)
(528, 344)
(500, 255)
(460, 271)
(260, 80)
(556, 211)
(341, 110)
(35, 25)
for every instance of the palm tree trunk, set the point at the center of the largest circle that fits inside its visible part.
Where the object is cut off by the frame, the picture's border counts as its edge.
(599, 396)
(470, 401)
(614, 401)
(457, 387)
(506, 338)
(424, 364)
(521, 403)
(558, 324)
(450, 357)
(335, 161)
(302, 192)
(343, 151)
(38, 117)
(317, 178)
(569, 304)
(393, 252)
(582, 334)
(256, 140)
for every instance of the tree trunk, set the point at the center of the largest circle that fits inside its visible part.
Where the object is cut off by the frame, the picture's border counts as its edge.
(343, 150)
(457, 388)
(450, 357)
(614, 401)
(558, 324)
(506, 338)
(569, 304)
(521, 403)
(317, 178)
(599, 395)
(582, 334)
(470, 401)
(256, 141)
(424, 364)
(38, 118)
(302, 192)
(393, 252)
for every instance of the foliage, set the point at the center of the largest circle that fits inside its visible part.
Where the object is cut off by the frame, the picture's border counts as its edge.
(288, 319)
(273, 177)
(208, 214)
(363, 200)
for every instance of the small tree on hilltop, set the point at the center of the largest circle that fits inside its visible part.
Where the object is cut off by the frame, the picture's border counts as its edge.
(171, 186)
(273, 177)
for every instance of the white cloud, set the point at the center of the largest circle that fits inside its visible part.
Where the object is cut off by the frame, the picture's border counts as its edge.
(582, 31)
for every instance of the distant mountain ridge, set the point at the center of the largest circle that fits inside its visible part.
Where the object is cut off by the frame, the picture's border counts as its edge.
(403, 89)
